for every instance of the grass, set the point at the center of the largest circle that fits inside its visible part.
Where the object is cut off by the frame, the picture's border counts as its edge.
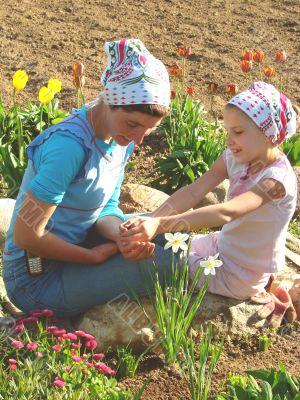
(294, 227)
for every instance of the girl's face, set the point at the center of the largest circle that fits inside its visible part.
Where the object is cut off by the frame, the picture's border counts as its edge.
(246, 141)
(125, 127)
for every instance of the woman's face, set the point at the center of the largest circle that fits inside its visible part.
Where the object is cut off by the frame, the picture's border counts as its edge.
(125, 127)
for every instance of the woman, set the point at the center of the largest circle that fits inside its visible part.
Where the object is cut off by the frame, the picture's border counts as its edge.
(63, 249)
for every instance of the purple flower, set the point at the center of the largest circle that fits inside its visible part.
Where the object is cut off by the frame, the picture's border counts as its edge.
(70, 336)
(59, 382)
(31, 346)
(17, 344)
(91, 344)
(76, 358)
(56, 348)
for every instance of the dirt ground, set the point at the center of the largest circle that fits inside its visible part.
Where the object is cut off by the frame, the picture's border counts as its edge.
(239, 354)
(46, 38)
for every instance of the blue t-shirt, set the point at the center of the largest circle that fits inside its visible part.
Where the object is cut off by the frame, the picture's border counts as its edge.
(67, 170)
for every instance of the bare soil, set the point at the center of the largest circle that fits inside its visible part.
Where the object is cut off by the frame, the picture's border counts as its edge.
(46, 38)
(239, 354)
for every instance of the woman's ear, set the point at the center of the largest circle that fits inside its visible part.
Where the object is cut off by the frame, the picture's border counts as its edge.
(297, 111)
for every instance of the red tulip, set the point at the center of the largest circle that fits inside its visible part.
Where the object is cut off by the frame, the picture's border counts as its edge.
(188, 51)
(280, 56)
(175, 70)
(181, 51)
(269, 71)
(78, 81)
(232, 89)
(247, 55)
(258, 56)
(184, 51)
(173, 94)
(191, 90)
(212, 87)
(78, 69)
(78, 75)
(246, 65)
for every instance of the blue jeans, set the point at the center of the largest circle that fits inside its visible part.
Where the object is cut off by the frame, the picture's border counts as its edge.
(70, 289)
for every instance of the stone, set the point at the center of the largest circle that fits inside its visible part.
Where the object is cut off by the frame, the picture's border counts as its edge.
(292, 256)
(6, 210)
(293, 243)
(297, 172)
(137, 198)
(121, 321)
(6, 303)
(292, 250)
(218, 195)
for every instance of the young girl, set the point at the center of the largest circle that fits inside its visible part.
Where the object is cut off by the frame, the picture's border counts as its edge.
(72, 185)
(261, 198)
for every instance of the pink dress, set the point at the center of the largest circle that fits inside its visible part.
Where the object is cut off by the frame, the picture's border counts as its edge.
(252, 246)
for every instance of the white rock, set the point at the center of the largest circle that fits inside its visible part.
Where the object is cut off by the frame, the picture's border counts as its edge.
(6, 210)
(140, 198)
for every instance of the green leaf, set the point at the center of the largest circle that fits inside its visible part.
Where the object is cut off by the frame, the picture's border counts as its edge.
(260, 374)
(243, 394)
(57, 120)
(266, 391)
(179, 153)
(189, 173)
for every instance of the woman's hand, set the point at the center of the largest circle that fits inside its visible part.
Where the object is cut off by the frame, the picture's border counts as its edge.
(139, 229)
(102, 252)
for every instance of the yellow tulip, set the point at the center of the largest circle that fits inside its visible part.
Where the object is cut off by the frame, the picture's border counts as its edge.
(45, 95)
(20, 79)
(55, 85)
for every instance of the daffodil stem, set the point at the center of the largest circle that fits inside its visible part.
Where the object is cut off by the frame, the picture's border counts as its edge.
(20, 138)
(14, 97)
(41, 118)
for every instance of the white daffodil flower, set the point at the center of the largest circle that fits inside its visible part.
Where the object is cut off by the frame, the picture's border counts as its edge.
(210, 263)
(176, 241)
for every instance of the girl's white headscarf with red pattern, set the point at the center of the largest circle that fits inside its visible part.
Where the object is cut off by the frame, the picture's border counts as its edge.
(270, 110)
(134, 75)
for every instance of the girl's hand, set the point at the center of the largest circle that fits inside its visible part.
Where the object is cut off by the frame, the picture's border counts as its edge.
(136, 250)
(139, 229)
(102, 252)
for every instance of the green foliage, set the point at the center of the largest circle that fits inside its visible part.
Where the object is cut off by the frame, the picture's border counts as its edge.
(199, 372)
(127, 363)
(275, 385)
(194, 144)
(291, 148)
(263, 343)
(34, 376)
(18, 126)
(174, 308)
(294, 227)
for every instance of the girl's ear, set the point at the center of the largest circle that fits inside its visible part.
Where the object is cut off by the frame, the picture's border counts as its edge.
(269, 141)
